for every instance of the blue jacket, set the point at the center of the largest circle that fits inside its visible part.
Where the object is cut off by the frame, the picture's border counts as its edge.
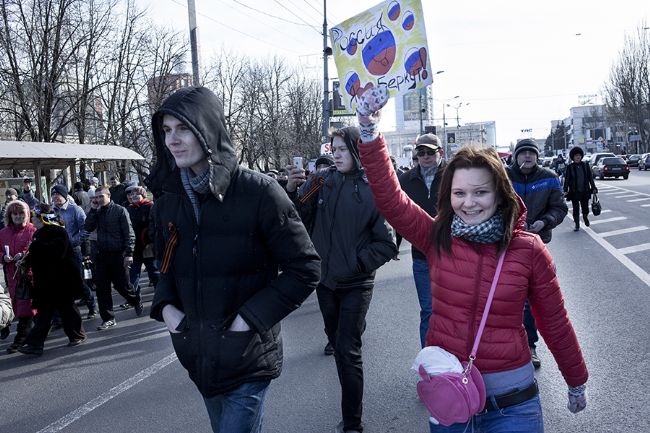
(74, 219)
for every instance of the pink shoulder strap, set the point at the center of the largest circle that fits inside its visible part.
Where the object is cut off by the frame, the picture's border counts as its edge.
(477, 340)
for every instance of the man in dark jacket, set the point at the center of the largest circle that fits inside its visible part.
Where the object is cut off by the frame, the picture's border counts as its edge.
(541, 192)
(115, 243)
(118, 191)
(353, 241)
(222, 233)
(421, 185)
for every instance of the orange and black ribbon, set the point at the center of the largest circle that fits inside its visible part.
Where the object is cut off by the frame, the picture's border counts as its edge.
(169, 248)
(317, 185)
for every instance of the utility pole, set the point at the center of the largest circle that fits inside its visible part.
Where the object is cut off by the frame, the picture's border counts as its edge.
(194, 42)
(326, 92)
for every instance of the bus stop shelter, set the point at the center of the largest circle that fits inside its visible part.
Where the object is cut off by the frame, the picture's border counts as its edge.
(29, 155)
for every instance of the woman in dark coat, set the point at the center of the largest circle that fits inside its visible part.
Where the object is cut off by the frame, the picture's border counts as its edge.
(579, 185)
(57, 281)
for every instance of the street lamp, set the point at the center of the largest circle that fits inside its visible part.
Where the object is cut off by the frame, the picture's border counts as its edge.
(444, 123)
(422, 110)
(457, 107)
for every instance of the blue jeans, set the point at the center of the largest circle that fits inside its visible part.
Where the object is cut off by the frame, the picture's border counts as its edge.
(240, 410)
(529, 324)
(136, 269)
(423, 287)
(525, 417)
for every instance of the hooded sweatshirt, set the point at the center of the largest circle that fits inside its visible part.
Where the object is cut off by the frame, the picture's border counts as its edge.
(227, 265)
(348, 232)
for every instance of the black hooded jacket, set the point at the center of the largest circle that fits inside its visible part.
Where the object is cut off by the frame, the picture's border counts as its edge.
(350, 235)
(228, 264)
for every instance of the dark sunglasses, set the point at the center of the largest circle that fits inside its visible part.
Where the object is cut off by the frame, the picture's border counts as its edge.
(426, 152)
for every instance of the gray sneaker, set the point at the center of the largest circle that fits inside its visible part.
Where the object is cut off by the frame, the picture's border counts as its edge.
(107, 325)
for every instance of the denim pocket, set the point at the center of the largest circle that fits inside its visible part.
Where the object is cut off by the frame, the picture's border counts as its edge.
(524, 417)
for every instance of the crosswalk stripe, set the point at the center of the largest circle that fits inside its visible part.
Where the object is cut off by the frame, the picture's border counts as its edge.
(638, 199)
(645, 205)
(626, 195)
(634, 249)
(623, 231)
(607, 220)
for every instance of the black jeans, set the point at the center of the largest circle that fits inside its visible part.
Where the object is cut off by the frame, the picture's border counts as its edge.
(344, 313)
(70, 320)
(109, 268)
(582, 202)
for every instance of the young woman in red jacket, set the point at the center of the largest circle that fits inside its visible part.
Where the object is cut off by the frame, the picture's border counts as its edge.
(479, 217)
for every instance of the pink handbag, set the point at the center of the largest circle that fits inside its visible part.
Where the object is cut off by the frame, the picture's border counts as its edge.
(456, 397)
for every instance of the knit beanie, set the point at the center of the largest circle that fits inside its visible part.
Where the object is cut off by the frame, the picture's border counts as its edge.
(525, 144)
(60, 189)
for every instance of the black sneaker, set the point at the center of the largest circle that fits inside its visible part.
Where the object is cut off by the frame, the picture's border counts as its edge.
(13, 348)
(28, 349)
(91, 315)
(329, 350)
(107, 325)
(139, 309)
(5, 332)
(533, 357)
(125, 306)
(586, 220)
(76, 342)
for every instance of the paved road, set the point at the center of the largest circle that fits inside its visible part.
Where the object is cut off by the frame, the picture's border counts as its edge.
(127, 379)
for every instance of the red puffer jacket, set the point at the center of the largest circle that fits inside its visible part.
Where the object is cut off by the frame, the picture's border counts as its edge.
(460, 284)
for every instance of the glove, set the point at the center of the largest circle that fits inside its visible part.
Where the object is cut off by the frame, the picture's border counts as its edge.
(577, 399)
(369, 111)
(536, 226)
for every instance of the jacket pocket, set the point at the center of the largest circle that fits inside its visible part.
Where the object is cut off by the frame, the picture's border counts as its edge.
(239, 354)
(186, 347)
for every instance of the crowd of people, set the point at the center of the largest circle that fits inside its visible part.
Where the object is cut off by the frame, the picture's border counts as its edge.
(72, 252)
(231, 252)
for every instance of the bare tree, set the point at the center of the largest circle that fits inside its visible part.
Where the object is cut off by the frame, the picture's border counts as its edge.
(627, 94)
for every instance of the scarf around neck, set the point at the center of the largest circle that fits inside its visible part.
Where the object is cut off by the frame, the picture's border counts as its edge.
(195, 184)
(487, 232)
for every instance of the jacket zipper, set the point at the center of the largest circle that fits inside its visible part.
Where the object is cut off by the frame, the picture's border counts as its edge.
(331, 229)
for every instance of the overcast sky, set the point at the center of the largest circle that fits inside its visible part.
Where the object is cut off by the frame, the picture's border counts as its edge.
(521, 63)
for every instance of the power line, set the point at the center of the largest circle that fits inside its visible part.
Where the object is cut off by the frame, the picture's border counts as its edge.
(271, 15)
(321, 12)
(237, 30)
(297, 16)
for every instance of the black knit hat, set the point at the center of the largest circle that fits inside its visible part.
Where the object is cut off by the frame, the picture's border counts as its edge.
(525, 144)
(60, 189)
(576, 150)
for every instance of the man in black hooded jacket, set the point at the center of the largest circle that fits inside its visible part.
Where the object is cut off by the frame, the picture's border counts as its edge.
(222, 232)
(353, 240)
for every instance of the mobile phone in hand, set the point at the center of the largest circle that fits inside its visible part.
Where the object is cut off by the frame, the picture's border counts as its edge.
(297, 161)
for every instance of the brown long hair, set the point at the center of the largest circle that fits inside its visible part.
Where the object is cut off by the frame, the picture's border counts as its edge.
(15, 206)
(475, 157)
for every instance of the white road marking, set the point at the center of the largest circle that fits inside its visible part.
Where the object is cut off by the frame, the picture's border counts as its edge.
(605, 211)
(645, 205)
(638, 199)
(626, 195)
(623, 231)
(107, 396)
(633, 267)
(608, 220)
(634, 249)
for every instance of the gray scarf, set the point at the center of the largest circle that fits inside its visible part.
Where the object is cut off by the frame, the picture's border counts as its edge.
(195, 184)
(487, 232)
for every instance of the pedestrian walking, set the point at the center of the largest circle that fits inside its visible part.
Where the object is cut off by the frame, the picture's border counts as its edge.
(579, 185)
(353, 241)
(541, 192)
(15, 238)
(143, 253)
(56, 281)
(115, 243)
(223, 232)
(421, 184)
(480, 218)
(6, 312)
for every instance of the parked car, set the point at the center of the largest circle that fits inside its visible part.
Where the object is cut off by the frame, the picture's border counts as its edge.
(644, 162)
(611, 167)
(597, 157)
(633, 160)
